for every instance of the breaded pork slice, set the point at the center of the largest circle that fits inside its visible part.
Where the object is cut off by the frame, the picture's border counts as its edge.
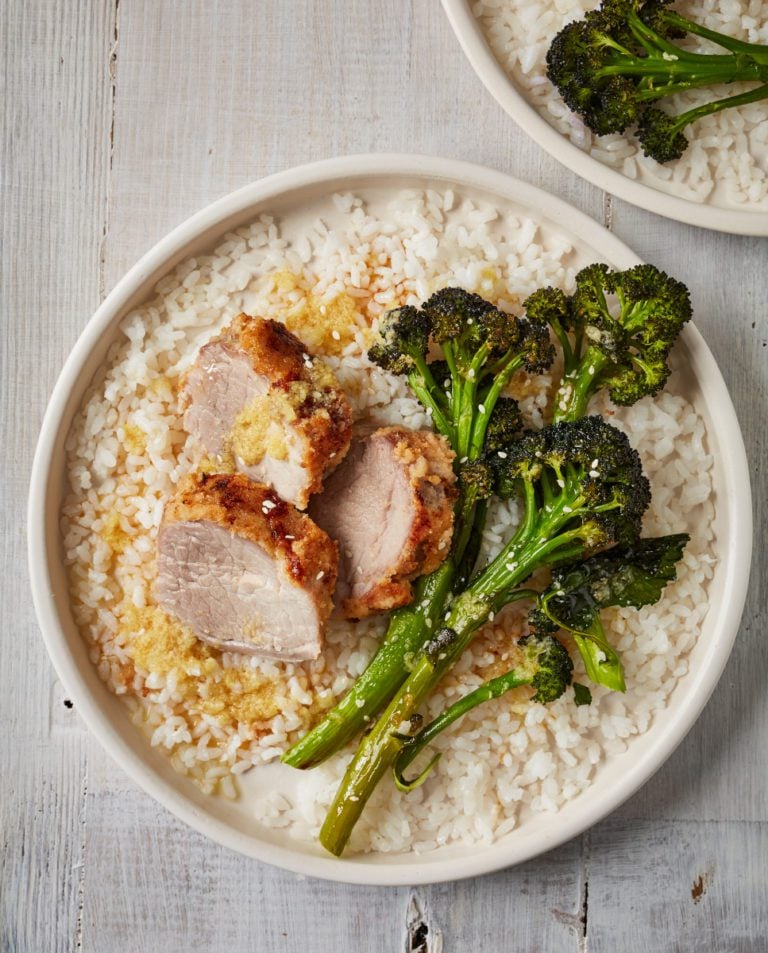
(257, 402)
(389, 506)
(244, 570)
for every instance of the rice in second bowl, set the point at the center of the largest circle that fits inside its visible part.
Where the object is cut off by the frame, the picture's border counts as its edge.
(217, 715)
(726, 163)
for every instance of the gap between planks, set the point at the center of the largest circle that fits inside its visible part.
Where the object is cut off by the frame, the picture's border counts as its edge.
(421, 935)
(110, 149)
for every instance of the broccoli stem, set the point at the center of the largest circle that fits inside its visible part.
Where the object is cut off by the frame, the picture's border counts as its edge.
(538, 537)
(705, 71)
(500, 382)
(578, 386)
(379, 749)
(471, 547)
(493, 688)
(409, 628)
(601, 660)
(742, 99)
(422, 383)
(755, 50)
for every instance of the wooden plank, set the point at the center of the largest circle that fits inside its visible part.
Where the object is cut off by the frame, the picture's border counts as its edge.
(153, 884)
(534, 907)
(56, 116)
(673, 887)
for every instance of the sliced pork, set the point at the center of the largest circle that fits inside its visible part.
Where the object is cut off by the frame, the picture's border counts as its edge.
(389, 506)
(257, 402)
(244, 570)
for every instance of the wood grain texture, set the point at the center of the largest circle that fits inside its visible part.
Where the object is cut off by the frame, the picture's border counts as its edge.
(119, 121)
(56, 114)
(710, 889)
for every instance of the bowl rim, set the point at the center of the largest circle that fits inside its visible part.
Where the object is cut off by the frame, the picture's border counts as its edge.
(332, 173)
(511, 99)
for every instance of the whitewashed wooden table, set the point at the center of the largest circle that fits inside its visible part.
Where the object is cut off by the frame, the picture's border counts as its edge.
(121, 117)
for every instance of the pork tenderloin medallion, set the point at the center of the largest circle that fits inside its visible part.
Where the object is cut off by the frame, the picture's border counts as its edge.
(256, 402)
(244, 570)
(389, 506)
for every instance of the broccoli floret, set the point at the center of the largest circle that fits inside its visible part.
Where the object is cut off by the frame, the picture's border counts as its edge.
(612, 65)
(616, 332)
(633, 575)
(477, 479)
(504, 425)
(661, 135)
(545, 666)
(403, 341)
(583, 487)
(483, 348)
(551, 665)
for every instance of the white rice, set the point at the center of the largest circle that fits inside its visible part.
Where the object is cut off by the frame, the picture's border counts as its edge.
(726, 163)
(503, 758)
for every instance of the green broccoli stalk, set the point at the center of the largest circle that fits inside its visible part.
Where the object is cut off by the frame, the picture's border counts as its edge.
(611, 67)
(633, 575)
(615, 332)
(545, 666)
(583, 490)
(483, 348)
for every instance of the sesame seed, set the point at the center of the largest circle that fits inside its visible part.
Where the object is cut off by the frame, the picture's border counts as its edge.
(360, 703)
(491, 616)
(470, 321)
(268, 505)
(567, 509)
(594, 473)
(463, 459)
(287, 536)
(320, 574)
(594, 463)
(335, 335)
(471, 373)
(428, 623)
(481, 408)
(591, 369)
(502, 455)
(561, 484)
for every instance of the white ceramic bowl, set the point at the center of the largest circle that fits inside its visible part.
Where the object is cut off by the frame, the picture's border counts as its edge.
(300, 192)
(511, 98)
